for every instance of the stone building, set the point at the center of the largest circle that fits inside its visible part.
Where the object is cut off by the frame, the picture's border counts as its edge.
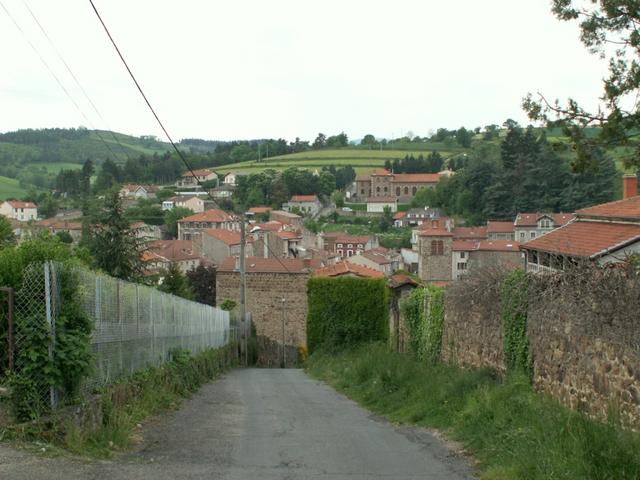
(191, 227)
(276, 299)
(346, 245)
(216, 244)
(402, 186)
(434, 254)
(532, 225)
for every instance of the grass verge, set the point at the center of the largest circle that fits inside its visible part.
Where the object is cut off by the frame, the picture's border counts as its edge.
(128, 402)
(513, 432)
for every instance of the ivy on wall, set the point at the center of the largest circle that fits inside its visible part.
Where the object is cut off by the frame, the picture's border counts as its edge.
(346, 311)
(515, 303)
(423, 311)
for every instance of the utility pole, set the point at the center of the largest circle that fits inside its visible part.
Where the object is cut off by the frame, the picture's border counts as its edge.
(284, 352)
(243, 296)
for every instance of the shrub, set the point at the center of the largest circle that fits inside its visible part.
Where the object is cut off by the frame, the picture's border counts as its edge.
(423, 311)
(346, 311)
(514, 322)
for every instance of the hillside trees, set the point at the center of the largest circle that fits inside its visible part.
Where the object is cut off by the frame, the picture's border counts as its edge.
(608, 28)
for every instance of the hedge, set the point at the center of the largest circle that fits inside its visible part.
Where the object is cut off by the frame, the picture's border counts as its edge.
(346, 311)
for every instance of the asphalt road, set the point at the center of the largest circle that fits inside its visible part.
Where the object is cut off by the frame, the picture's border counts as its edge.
(260, 424)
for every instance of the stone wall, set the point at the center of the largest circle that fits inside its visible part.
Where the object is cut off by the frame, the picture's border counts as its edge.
(265, 292)
(584, 340)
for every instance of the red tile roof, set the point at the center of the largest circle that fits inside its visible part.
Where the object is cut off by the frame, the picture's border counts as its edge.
(227, 236)
(376, 257)
(399, 215)
(400, 279)
(304, 198)
(271, 265)
(213, 215)
(499, 227)
(288, 235)
(172, 250)
(586, 239)
(270, 226)
(344, 238)
(430, 231)
(260, 209)
(347, 268)
(416, 178)
(531, 219)
(381, 172)
(463, 245)
(623, 209)
(469, 232)
(18, 204)
(498, 246)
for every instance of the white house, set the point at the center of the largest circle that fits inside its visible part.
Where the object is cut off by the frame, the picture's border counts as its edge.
(21, 211)
(193, 179)
(132, 190)
(194, 203)
(231, 178)
(307, 204)
(377, 204)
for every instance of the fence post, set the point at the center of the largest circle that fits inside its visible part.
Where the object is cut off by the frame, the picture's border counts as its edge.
(50, 324)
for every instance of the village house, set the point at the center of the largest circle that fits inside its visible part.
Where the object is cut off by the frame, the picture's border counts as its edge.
(306, 204)
(193, 179)
(287, 218)
(276, 292)
(500, 230)
(222, 192)
(442, 258)
(346, 245)
(348, 269)
(402, 186)
(602, 234)
(259, 211)
(379, 204)
(21, 211)
(146, 232)
(531, 225)
(416, 216)
(160, 254)
(380, 259)
(215, 245)
(191, 227)
(55, 225)
(231, 178)
(135, 191)
(195, 203)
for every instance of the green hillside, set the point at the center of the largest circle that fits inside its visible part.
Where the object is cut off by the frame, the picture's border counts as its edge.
(10, 188)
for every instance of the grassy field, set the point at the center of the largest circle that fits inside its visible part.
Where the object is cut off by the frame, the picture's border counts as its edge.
(362, 160)
(9, 188)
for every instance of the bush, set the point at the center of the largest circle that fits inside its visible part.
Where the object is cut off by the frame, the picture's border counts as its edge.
(423, 311)
(346, 311)
(515, 304)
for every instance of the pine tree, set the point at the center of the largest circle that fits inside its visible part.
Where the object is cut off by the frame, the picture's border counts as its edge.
(175, 282)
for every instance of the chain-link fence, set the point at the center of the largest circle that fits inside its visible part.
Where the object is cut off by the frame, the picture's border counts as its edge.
(134, 326)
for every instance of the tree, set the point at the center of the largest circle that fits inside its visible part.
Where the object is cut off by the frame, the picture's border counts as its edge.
(463, 137)
(171, 219)
(338, 198)
(6, 232)
(608, 28)
(64, 236)
(202, 282)
(337, 141)
(369, 140)
(114, 246)
(108, 177)
(320, 141)
(175, 282)
(386, 221)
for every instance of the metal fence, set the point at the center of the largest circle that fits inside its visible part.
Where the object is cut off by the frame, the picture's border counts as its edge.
(135, 326)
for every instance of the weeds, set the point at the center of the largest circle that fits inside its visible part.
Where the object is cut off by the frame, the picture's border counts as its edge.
(514, 432)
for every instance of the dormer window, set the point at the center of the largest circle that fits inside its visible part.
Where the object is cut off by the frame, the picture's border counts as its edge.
(545, 223)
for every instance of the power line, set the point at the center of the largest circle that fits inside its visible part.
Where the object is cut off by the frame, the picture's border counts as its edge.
(184, 160)
(60, 84)
(75, 79)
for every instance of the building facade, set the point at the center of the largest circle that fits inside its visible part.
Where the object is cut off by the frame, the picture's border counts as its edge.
(402, 186)
(21, 211)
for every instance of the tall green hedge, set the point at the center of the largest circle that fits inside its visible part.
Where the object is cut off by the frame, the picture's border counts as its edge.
(346, 311)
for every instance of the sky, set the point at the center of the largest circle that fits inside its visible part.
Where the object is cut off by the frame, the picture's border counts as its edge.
(251, 69)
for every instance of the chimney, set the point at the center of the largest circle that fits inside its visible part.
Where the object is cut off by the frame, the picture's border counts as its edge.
(629, 185)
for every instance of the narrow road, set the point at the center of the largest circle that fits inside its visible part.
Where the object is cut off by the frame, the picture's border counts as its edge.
(260, 424)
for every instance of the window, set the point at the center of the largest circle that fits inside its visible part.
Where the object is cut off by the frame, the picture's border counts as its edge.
(462, 265)
(362, 191)
(339, 245)
(385, 189)
(532, 234)
(437, 247)
(398, 191)
(377, 189)
(521, 235)
(414, 190)
(339, 252)
(462, 254)
(350, 246)
(545, 223)
(349, 253)
(406, 190)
